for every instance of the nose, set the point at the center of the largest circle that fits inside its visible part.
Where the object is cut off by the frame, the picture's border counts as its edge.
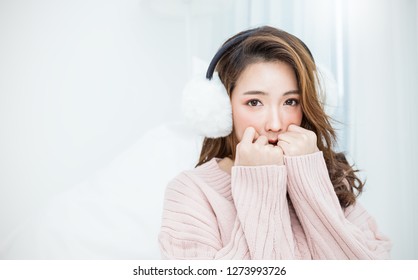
(273, 121)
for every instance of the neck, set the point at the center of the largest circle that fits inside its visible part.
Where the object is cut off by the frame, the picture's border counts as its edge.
(226, 164)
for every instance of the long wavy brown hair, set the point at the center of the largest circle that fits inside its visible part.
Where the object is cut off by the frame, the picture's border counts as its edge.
(269, 44)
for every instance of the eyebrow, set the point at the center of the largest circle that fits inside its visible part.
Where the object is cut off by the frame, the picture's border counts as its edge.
(256, 92)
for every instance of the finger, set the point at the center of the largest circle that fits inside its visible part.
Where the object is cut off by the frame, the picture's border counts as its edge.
(256, 135)
(262, 140)
(279, 149)
(284, 146)
(248, 135)
(295, 128)
(288, 137)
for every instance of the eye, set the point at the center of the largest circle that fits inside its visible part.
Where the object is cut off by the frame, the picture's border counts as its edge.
(291, 102)
(254, 102)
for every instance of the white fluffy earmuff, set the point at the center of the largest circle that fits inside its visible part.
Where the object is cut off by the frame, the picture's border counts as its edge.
(207, 108)
(327, 89)
(206, 104)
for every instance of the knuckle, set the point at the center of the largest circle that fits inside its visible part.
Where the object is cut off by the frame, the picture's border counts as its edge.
(311, 134)
(293, 150)
(278, 152)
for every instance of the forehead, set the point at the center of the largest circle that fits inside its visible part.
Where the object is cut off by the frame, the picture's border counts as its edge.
(267, 77)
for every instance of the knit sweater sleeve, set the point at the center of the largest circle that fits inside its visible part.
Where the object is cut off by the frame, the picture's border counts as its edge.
(262, 210)
(332, 233)
(259, 215)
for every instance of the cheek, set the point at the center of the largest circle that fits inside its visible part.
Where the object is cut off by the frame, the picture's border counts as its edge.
(293, 116)
(242, 119)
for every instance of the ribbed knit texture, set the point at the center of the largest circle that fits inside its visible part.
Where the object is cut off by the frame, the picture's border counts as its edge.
(265, 212)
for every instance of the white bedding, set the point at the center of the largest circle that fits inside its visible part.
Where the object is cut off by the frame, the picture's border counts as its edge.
(116, 213)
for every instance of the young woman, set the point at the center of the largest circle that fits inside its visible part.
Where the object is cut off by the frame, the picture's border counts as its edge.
(273, 188)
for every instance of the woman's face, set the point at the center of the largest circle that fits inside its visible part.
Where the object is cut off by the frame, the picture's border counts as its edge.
(266, 97)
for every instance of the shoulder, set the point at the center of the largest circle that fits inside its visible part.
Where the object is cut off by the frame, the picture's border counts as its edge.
(358, 215)
(356, 211)
(193, 192)
(202, 180)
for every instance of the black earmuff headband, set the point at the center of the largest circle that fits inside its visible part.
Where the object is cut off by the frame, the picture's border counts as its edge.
(233, 42)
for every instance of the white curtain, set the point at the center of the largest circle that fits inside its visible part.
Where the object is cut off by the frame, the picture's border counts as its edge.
(382, 88)
(85, 82)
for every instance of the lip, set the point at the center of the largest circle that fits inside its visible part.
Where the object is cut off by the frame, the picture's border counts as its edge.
(273, 141)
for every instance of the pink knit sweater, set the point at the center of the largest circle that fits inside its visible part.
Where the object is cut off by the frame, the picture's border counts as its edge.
(265, 212)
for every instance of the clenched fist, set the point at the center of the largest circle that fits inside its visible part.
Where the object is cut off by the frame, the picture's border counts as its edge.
(297, 141)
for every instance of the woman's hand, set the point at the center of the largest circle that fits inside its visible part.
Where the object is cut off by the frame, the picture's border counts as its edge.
(258, 153)
(297, 141)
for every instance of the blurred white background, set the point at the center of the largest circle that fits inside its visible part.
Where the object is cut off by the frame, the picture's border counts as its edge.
(90, 120)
